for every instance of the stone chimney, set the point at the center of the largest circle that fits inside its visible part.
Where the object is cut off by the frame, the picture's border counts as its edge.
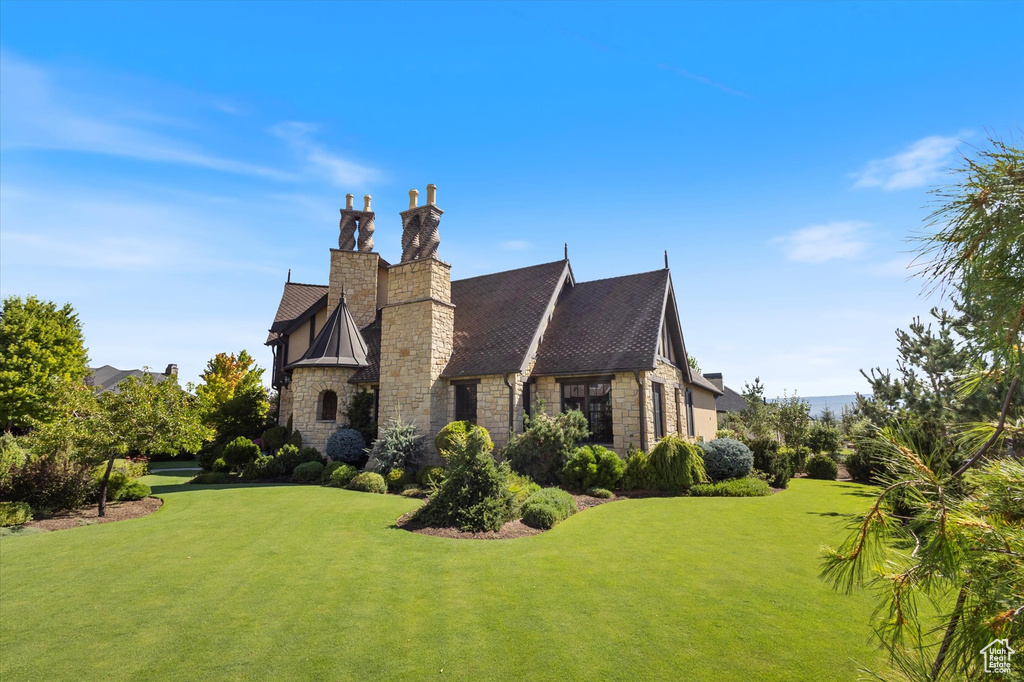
(417, 324)
(716, 379)
(355, 271)
(171, 371)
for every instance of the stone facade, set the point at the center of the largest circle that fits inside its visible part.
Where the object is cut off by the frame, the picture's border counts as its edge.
(306, 391)
(492, 404)
(417, 335)
(356, 271)
(671, 380)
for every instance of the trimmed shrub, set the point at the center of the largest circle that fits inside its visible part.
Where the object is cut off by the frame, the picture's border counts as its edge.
(346, 445)
(414, 492)
(446, 438)
(781, 468)
(14, 513)
(399, 446)
(637, 473)
(288, 456)
(475, 495)
(520, 487)
(273, 438)
(295, 439)
(822, 467)
(397, 479)
(602, 493)
(311, 454)
(726, 458)
(548, 507)
(240, 452)
(824, 438)
(342, 476)
(213, 478)
(368, 482)
(329, 469)
(208, 454)
(219, 466)
(546, 444)
(737, 487)
(262, 467)
(430, 476)
(676, 464)
(592, 466)
(308, 472)
(133, 490)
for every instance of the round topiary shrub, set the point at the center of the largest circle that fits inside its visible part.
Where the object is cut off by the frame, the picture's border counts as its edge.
(447, 436)
(547, 507)
(308, 472)
(14, 513)
(397, 479)
(219, 466)
(342, 476)
(346, 445)
(430, 476)
(368, 482)
(602, 493)
(822, 467)
(726, 458)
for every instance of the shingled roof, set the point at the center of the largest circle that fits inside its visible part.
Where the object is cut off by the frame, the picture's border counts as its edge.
(497, 317)
(606, 325)
(297, 301)
(371, 373)
(339, 343)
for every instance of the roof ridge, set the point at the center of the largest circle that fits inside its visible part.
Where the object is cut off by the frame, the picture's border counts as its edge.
(502, 272)
(635, 274)
(304, 284)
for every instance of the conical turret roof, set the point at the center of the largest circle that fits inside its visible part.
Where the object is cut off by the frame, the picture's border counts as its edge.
(339, 343)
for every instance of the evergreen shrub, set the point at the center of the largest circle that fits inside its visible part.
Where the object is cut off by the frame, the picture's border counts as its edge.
(240, 452)
(346, 445)
(430, 476)
(822, 467)
(548, 507)
(737, 487)
(726, 458)
(368, 482)
(342, 476)
(14, 513)
(592, 466)
(399, 446)
(308, 472)
(676, 464)
(447, 437)
(546, 444)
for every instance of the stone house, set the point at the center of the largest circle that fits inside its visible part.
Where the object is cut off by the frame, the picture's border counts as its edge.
(489, 349)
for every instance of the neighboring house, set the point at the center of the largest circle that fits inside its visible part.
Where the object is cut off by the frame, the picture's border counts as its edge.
(487, 349)
(106, 378)
(729, 400)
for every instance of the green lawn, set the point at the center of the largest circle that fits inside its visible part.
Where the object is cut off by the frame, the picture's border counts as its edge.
(295, 582)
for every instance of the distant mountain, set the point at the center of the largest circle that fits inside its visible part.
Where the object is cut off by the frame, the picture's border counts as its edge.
(833, 402)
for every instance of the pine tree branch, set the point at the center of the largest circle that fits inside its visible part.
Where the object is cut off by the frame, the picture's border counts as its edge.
(995, 434)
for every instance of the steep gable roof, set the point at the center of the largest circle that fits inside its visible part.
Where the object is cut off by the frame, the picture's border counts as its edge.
(107, 377)
(497, 317)
(339, 343)
(298, 301)
(605, 325)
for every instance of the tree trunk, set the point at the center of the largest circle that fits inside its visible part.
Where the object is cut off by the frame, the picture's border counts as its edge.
(103, 487)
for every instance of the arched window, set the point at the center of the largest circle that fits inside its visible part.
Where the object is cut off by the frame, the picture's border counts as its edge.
(328, 406)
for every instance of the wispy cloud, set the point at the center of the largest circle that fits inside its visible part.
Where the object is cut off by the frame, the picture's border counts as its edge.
(516, 245)
(821, 243)
(702, 79)
(337, 170)
(916, 166)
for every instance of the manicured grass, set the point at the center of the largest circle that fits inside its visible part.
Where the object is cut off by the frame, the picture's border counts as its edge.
(303, 582)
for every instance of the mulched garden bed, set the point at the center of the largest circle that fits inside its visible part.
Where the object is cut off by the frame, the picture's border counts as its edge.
(86, 516)
(511, 530)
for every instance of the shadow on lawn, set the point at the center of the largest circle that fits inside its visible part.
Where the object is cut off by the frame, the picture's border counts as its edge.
(857, 490)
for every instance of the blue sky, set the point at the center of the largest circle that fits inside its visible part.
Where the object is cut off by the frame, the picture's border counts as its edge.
(162, 166)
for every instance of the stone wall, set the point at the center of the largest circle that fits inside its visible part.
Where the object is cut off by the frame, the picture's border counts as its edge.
(491, 404)
(417, 335)
(625, 407)
(356, 271)
(671, 378)
(308, 384)
(287, 401)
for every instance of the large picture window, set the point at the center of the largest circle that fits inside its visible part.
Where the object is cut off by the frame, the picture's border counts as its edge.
(594, 400)
(658, 401)
(465, 403)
